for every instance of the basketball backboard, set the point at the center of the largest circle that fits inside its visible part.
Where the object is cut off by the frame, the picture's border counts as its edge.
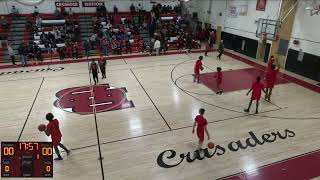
(268, 27)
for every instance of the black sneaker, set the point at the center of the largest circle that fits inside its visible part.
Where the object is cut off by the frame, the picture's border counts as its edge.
(246, 110)
(58, 159)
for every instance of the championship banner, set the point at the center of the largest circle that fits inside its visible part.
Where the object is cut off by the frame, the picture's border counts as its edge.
(236, 8)
(92, 3)
(261, 5)
(67, 4)
(232, 11)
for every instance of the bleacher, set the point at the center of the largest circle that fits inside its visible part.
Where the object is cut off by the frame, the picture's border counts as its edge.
(18, 33)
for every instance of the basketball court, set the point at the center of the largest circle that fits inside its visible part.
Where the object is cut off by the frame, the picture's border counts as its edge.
(142, 128)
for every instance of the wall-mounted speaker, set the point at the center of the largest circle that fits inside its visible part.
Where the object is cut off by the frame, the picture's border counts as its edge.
(296, 42)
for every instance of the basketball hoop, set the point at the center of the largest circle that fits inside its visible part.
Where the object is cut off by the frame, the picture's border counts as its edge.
(315, 11)
(314, 8)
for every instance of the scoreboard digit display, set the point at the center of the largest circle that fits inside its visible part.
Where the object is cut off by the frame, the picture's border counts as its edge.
(26, 159)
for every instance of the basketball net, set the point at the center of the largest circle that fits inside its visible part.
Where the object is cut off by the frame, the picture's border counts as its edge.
(314, 8)
(315, 11)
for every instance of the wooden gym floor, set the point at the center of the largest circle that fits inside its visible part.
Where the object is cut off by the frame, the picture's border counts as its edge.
(147, 129)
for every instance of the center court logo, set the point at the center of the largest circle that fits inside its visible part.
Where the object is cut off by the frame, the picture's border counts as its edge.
(169, 158)
(81, 100)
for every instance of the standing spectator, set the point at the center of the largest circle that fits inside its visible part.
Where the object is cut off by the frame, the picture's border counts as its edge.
(11, 54)
(94, 70)
(180, 42)
(14, 11)
(163, 43)
(93, 40)
(128, 46)
(140, 8)
(132, 9)
(157, 46)
(57, 34)
(69, 51)
(75, 51)
(38, 22)
(102, 64)
(151, 49)
(58, 14)
(87, 47)
(211, 38)
(63, 10)
(115, 9)
(22, 50)
(220, 49)
(35, 11)
(62, 52)
(70, 13)
(104, 45)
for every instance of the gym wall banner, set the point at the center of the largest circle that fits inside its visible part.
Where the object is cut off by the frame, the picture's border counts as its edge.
(261, 5)
(67, 4)
(92, 3)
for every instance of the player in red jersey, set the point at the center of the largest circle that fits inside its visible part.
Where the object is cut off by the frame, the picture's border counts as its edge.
(207, 49)
(256, 89)
(201, 123)
(219, 80)
(54, 130)
(271, 77)
(197, 68)
(270, 62)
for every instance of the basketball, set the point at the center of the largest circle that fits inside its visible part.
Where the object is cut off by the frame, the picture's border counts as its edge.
(42, 127)
(210, 145)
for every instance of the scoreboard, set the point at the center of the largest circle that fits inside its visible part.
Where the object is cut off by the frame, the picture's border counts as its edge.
(26, 159)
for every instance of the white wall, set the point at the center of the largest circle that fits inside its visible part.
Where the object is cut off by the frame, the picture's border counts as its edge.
(241, 25)
(48, 6)
(306, 29)
(203, 6)
(245, 25)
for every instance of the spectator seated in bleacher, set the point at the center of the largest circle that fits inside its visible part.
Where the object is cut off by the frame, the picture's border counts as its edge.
(4, 23)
